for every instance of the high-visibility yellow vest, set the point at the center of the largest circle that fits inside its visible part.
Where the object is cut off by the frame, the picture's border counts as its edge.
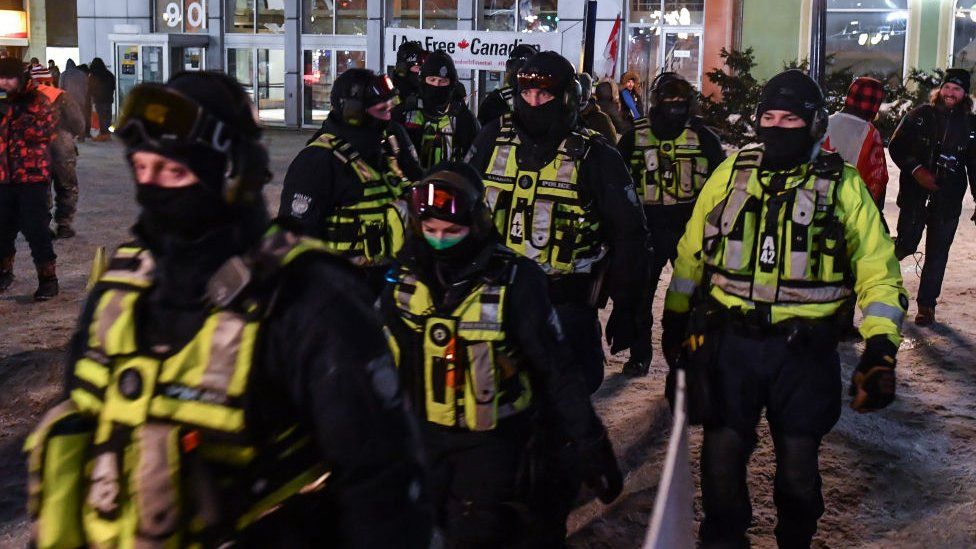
(153, 448)
(437, 143)
(786, 248)
(371, 231)
(470, 378)
(670, 171)
(543, 214)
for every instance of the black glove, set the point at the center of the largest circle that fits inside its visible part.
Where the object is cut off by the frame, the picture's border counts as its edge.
(873, 382)
(673, 328)
(600, 470)
(621, 328)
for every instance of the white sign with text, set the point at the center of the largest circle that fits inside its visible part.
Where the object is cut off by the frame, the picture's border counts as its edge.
(484, 50)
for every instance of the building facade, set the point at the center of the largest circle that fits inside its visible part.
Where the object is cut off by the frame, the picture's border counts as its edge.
(287, 53)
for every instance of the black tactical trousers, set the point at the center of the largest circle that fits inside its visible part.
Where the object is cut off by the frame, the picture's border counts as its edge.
(581, 324)
(795, 377)
(474, 483)
(938, 216)
(24, 209)
(666, 225)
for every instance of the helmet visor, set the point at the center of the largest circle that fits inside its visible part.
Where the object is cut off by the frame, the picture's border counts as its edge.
(157, 116)
(440, 200)
(382, 87)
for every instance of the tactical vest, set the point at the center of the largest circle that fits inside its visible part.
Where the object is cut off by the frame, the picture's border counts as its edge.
(544, 215)
(437, 141)
(371, 231)
(471, 380)
(507, 93)
(153, 448)
(786, 248)
(667, 172)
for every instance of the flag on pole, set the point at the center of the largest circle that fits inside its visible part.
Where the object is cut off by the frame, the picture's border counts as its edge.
(610, 51)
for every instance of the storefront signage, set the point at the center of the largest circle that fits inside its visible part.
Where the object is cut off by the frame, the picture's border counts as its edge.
(485, 50)
(181, 16)
(13, 24)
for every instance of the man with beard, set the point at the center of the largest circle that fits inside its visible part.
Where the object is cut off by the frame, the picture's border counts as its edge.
(671, 154)
(30, 124)
(440, 127)
(566, 201)
(228, 383)
(346, 186)
(502, 99)
(781, 235)
(934, 149)
(406, 74)
(479, 348)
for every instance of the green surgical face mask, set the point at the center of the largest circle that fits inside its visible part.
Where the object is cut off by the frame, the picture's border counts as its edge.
(443, 243)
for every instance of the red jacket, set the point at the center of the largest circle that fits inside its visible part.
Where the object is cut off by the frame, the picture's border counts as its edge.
(33, 125)
(859, 143)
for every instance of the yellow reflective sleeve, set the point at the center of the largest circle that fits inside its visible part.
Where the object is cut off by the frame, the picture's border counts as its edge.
(877, 274)
(689, 265)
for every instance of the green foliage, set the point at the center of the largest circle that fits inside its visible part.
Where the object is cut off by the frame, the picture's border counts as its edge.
(730, 113)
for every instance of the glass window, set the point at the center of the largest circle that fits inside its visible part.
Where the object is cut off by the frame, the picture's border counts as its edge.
(128, 56)
(271, 85)
(317, 17)
(351, 17)
(240, 65)
(642, 53)
(349, 59)
(867, 4)
(684, 14)
(152, 63)
(964, 38)
(404, 13)
(867, 42)
(537, 15)
(317, 84)
(193, 59)
(271, 16)
(240, 16)
(440, 14)
(497, 15)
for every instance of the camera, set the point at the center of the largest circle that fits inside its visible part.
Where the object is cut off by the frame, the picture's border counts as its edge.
(946, 165)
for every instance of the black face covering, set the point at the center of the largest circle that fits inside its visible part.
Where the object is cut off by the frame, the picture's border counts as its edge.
(436, 97)
(186, 212)
(542, 121)
(668, 119)
(785, 147)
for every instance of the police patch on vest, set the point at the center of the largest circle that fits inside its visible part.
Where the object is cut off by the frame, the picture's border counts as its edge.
(440, 334)
(525, 181)
(300, 204)
(130, 384)
(547, 184)
(767, 257)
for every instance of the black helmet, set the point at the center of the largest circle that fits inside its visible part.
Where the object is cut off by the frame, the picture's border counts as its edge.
(356, 90)
(451, 191)
(669, 85)
(586, 87)
(204, 119)
(516, 58)
(409, 54)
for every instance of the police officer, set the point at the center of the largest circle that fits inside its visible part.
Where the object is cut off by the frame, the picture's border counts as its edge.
(440, 126)
(590, 115)
(566, 200)
(228, 383)
(480, 349)
(406, 74)
(778, 240)
(671, 154)
(345, 186)
(934, 149)
(501, 100)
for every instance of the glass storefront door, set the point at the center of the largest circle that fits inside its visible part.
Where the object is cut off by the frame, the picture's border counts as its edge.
(261, 71)
(127, 74)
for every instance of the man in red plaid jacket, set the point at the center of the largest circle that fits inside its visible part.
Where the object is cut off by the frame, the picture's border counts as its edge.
(851, 134)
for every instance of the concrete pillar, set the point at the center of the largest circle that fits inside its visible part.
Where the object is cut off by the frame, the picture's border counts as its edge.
(293, 63)
(37, 29)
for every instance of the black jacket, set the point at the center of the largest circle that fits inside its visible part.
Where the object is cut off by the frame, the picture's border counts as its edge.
(323, 360)
(529, 319)
(317, 183)
(492, 107)
(605, 179)
(928, 132)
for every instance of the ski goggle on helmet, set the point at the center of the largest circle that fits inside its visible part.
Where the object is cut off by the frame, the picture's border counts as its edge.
(442, 195)
(536, 80)
(160, 117)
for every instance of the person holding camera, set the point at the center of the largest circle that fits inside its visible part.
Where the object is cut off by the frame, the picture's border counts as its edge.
(933, 147)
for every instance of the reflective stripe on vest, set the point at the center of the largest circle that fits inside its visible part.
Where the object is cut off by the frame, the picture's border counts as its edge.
(371, 231)
(507, 94)
(541, 213)
(153, 407)
(470, 380)
(437, 143)
(798, 257)
(667, 172)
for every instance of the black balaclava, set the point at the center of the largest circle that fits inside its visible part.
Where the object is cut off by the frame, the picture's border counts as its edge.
(408, 55)
(550, 121)
(437, 98)
(669, 118)
(189, 213)
(518, 56)
(792, 91)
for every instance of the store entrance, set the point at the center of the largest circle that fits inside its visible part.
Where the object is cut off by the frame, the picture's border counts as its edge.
(142, 58)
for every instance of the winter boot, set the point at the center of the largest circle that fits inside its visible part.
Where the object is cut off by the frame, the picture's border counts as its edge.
(636, 368)
(925, 316)
(64, 231)
(47, 282)
(6, 272)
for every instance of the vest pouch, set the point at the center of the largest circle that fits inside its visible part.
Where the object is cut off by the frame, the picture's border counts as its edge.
(686, 178)
(738, 231)
(481, 390)
(650, 159)
(542, 220)
(804, 208)
(342, 231)
(155, 481)
(374, 237)
(57, 450)
(440, 371)
(564, 248)
(701, 173)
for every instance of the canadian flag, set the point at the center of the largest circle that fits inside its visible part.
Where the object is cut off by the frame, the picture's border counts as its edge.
(610, 51)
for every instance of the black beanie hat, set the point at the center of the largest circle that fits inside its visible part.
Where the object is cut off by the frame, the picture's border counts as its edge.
(11, 68)
(440, 64)
(959, 77)
(410, 52)
(555, 66)
(792, 91)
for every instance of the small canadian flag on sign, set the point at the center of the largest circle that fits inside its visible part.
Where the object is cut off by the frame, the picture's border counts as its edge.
(463, 44)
